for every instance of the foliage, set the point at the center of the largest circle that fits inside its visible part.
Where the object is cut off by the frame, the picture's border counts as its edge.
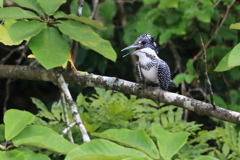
(41, 25)
(166, 137)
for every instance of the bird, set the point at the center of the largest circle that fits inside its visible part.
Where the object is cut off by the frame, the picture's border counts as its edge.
(150, 68)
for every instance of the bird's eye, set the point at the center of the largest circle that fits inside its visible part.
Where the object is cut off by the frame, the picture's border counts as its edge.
(143, 42)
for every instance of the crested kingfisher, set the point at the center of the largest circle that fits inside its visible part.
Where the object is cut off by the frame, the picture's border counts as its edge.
(150, 67)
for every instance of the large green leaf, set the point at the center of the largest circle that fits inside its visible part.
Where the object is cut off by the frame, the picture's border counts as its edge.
(179, 78)
(50, 6)
(168, 4)
(31, 155)
(49, 48)
(169, 143)
(11, 155)
(4, 36)
(43, 137)
(223, 64)
(16, 13)
(93, 23)
(103, 149)
(235, 26)
(13, 128)
(137, 139)
(234, 56)
(106, 7)
(31, 4)
(28, 30)
(1, 3)
(206, 158)
(190, 67)
(87, 37)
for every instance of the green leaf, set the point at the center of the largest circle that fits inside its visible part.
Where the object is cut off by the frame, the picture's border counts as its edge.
(190, 67)
(168, 4)
(11, 155)
(43, 109)
(16, 13)
(49, 47)
(233, 59)
(206, 158)
(2, 131)
(31, 4)
(50, 7)
(43, 137)
(137, 139)
(108, 6)
(223, 64)
(31, 155)
(1, 3)
(169, 143)
(13, 128)
(4, 36)
(87, 37)
(235, 26)
(146, 2)
(28, 30)
(179, 78)
(93, 23)
(103, 148)
(189, 78)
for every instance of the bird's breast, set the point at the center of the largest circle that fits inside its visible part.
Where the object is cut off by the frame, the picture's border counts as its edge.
(150, 74)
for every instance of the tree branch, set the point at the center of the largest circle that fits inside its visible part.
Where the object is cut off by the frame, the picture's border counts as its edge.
(126, 87)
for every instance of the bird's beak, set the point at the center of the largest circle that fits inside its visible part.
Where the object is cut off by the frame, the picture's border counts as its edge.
(127, 48)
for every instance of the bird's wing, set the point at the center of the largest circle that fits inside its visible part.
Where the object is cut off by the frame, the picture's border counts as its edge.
(164, 75)
(139, 72)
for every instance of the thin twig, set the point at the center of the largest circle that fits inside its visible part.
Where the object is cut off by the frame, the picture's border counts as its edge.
(95, 6)
(68, 128)
(216, 31)
(73, 107)
(209, 86)
(65, 114)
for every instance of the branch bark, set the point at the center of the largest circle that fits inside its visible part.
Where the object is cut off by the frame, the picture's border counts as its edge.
(126, 87)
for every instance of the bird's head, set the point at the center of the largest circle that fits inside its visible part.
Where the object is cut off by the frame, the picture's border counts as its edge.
(143, 41)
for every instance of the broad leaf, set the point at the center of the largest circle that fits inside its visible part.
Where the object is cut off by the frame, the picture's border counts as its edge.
(87, 37)
(106, 7)
(179, 78)
(93, 23)
(13, 128)
(234, 56)
(31, 4)
(168, 4)
(169, 143)
(16, 13)
(28, 30)
(1, 3)
(189, 78)
(103, 148)
(43, 137)
(190, 67)
(49, 47)
(4, 36)
(31, 155)
(50, 6)
(137, 139)
(206, 158)
(235, 26)
(11, 155)
(223, 64)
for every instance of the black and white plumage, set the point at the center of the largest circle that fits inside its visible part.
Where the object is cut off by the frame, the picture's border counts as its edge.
(149, 66)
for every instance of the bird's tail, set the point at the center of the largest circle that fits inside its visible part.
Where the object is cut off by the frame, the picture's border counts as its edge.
(172, 84)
